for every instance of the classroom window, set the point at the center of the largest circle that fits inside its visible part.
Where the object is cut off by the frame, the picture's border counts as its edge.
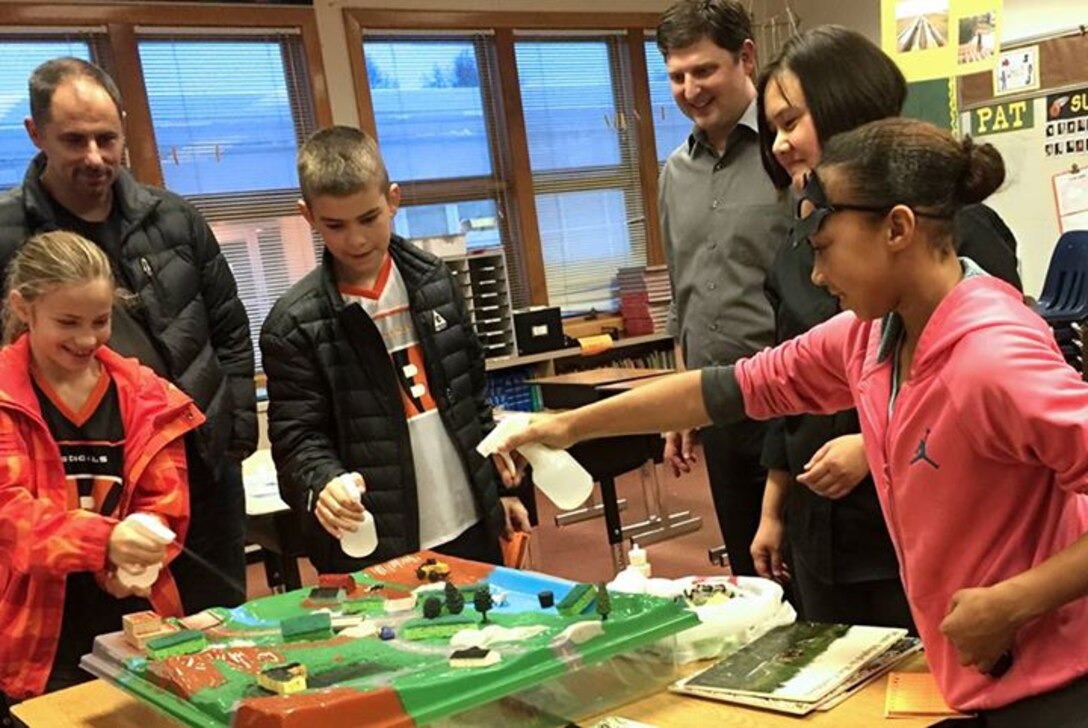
(19, 56)
(436, 110)
(583, 152)
(671, 127)
(228, 115)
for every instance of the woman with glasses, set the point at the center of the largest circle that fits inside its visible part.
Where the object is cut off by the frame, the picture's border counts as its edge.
(976, 428)
(842, 562)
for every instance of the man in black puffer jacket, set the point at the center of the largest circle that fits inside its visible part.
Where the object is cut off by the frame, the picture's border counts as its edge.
(374, 370)
(187, 322)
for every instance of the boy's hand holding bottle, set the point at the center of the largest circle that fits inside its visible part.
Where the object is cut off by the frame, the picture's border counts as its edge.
(340, 511)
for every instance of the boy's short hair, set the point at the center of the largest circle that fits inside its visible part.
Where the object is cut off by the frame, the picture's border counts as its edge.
(340, 161)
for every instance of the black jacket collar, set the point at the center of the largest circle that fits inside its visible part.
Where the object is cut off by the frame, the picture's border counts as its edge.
(135, 201)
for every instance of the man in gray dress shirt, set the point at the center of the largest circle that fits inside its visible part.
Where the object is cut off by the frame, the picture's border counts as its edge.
(722, 222)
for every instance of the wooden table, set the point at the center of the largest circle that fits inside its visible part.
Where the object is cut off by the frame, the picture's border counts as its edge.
(98, 704)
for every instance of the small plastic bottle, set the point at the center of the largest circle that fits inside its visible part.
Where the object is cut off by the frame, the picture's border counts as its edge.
(638, 560)
(364, 539)
(143, 578)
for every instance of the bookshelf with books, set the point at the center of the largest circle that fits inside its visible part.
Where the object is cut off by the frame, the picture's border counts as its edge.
(508, 377)
(644, 345)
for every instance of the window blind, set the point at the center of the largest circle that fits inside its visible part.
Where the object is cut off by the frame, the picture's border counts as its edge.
(671, 127)
(229, 113)
(583, 149)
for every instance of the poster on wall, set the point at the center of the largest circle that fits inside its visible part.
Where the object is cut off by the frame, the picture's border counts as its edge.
(1067, 124)
(1017, 71)
(938, 38)
(1071, 199)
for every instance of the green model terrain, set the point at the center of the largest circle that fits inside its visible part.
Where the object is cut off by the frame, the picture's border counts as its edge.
(417, 669)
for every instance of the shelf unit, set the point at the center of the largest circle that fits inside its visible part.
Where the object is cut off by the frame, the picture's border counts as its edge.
(485, 286)
(486, 290)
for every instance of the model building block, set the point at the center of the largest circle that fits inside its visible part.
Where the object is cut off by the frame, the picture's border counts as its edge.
(398, 601)
(202, 620)
(140, 627)
(337, 581)
(182, 642)
(330, 594)
(474, 657)
(547, 599)
(307, 627)
(577, 600)
(283, 679)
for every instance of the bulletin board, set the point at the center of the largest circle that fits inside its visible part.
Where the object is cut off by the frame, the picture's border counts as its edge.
(1042, 135)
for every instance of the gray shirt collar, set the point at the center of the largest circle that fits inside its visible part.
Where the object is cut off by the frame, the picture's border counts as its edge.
(697, 139)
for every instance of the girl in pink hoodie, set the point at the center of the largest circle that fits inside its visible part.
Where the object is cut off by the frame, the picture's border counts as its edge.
(975, 428)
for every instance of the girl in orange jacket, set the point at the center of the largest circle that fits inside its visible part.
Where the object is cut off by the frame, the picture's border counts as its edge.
(86, 438)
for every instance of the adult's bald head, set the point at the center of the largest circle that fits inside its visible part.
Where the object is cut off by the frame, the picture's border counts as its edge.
(51, 75)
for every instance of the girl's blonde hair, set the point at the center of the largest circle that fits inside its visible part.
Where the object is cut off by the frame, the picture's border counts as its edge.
(46, 261)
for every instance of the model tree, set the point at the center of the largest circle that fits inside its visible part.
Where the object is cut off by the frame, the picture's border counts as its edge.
(455, 600)
(482, 601)
(604, 603)
(432, 607)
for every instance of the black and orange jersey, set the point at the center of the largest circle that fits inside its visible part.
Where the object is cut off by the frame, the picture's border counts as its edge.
(92, 444)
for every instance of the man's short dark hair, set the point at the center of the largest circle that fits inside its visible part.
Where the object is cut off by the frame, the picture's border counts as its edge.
(48, 77)
(725, 22)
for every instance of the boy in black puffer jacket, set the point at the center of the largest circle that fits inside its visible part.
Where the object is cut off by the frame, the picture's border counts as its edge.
(374, 370)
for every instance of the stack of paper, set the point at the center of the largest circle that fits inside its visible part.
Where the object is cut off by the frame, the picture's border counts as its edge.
(914, 694)
(645, 295)
(802, 667)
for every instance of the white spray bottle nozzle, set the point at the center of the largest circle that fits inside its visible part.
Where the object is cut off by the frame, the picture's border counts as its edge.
(558, 475)
(505, 427)
(152, 527)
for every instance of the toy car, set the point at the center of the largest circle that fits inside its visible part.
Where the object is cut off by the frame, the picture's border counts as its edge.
(432, 570)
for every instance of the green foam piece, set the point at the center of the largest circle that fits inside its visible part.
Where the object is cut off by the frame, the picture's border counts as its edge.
(306, 626)
(577, 600)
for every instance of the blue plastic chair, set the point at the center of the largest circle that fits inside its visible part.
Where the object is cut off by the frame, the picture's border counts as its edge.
(1065, 291)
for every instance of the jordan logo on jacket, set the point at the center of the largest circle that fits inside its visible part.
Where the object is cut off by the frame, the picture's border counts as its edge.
(920, 454)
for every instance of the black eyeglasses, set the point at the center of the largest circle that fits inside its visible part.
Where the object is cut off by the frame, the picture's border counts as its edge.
(811, 216)
(813, 208)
